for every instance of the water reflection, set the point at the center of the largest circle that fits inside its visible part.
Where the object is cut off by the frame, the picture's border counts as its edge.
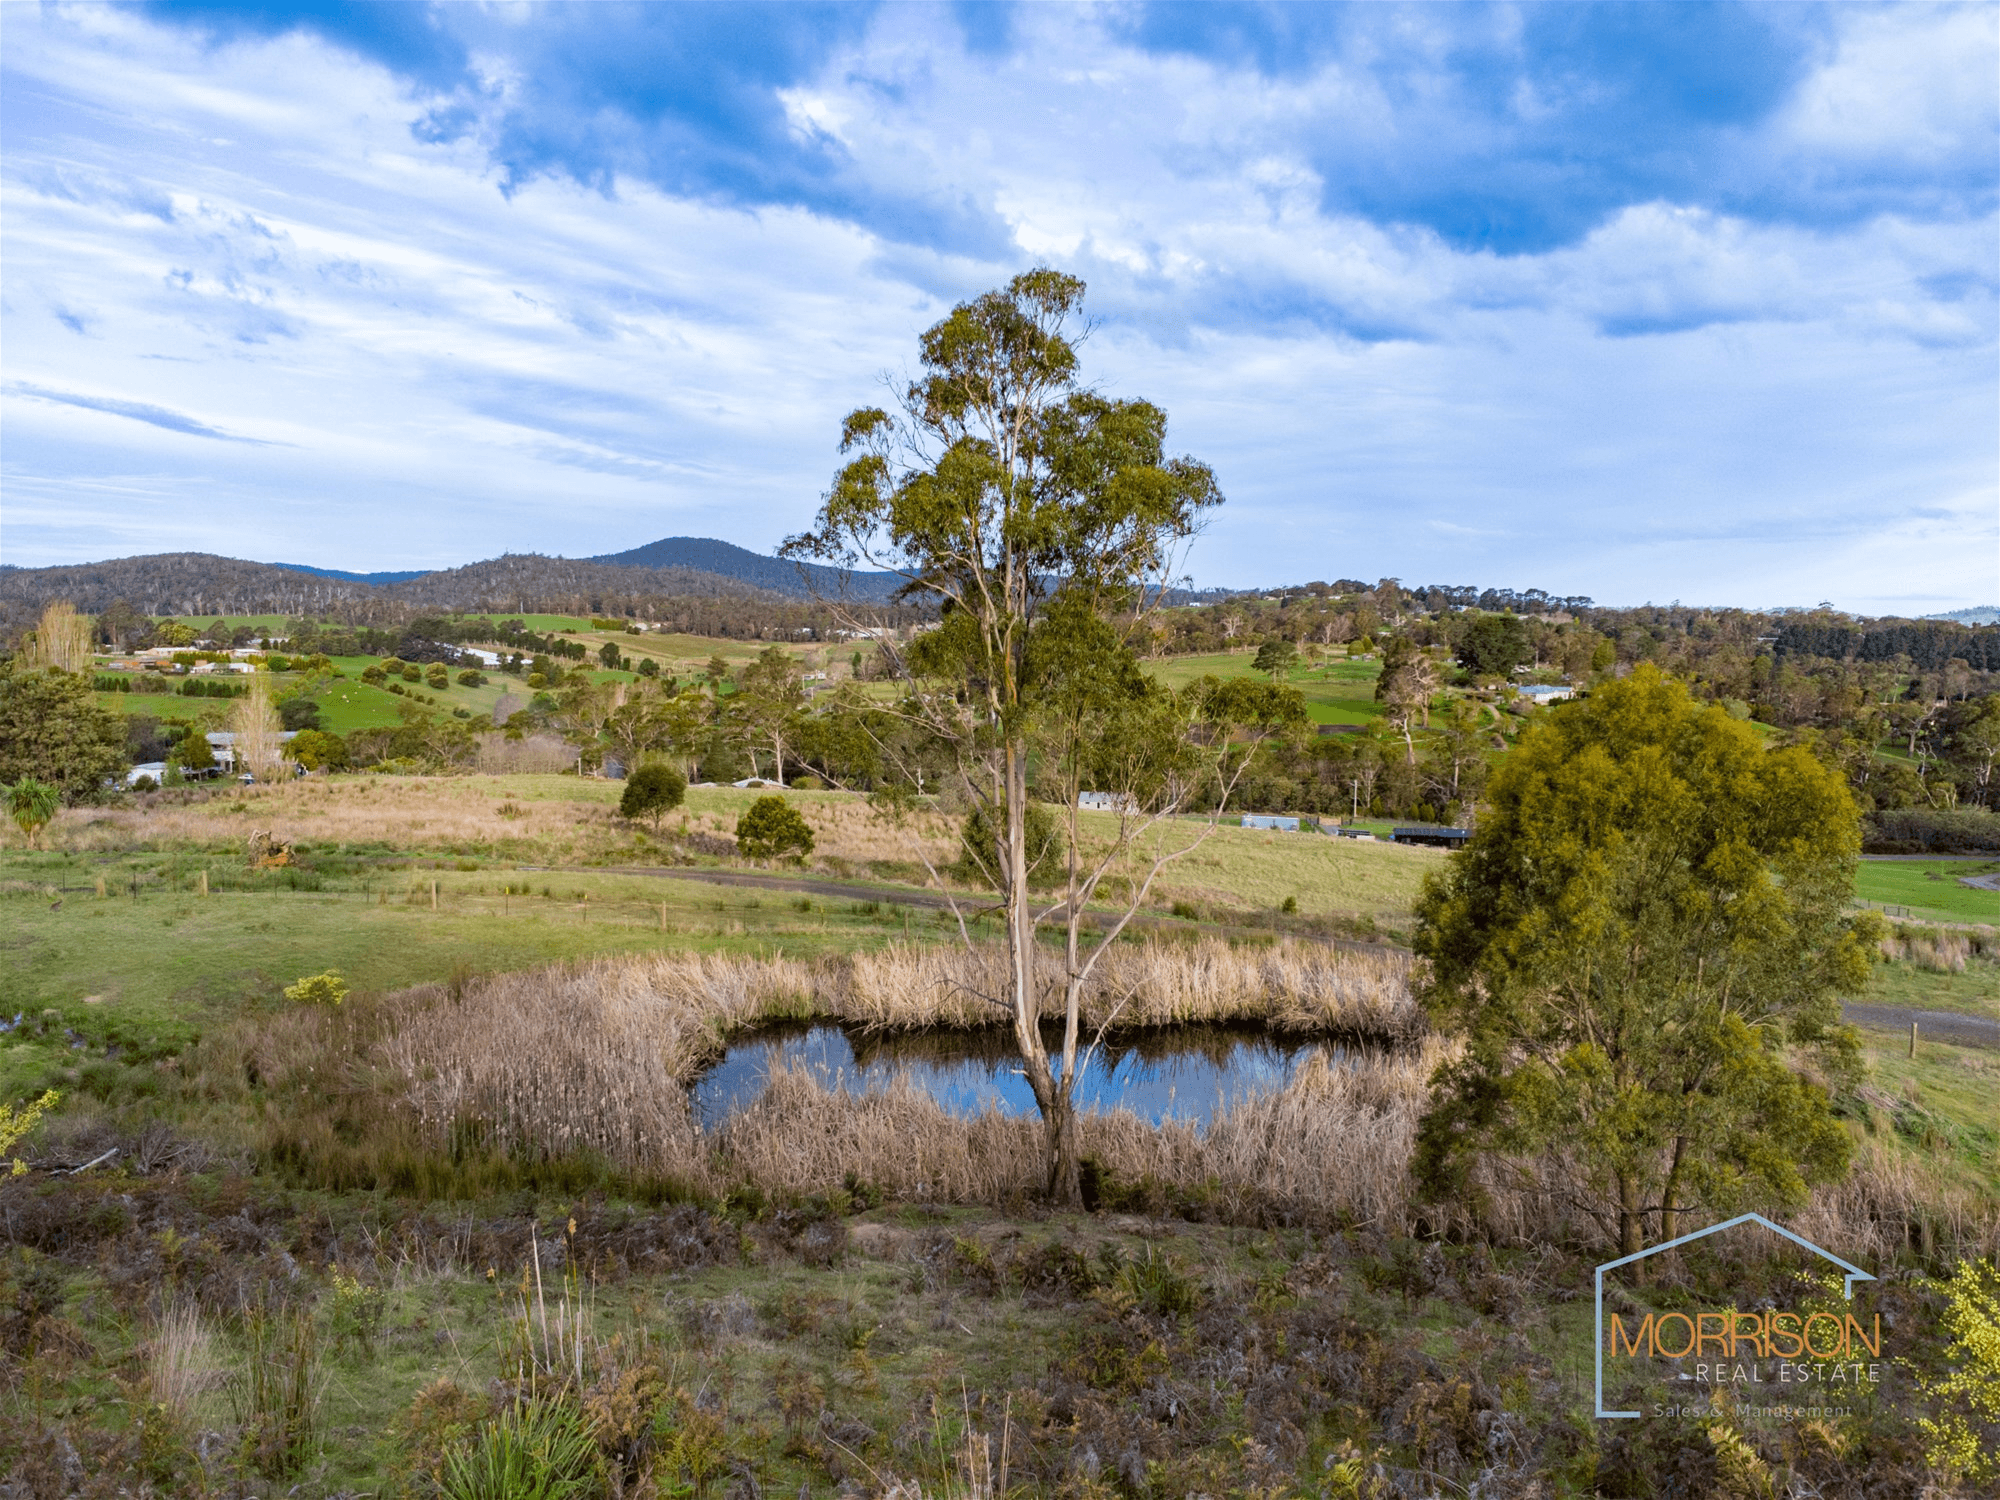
(1182, 1072)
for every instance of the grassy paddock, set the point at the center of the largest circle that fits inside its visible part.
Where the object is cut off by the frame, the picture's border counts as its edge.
(1930, 888)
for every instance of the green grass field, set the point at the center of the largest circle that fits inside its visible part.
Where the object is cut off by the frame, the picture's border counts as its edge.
(1930, 888)
(1336, 692)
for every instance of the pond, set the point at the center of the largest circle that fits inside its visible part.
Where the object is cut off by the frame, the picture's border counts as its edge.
(1180, 1072)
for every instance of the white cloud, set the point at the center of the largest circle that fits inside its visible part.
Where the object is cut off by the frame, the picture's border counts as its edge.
(1681, 403)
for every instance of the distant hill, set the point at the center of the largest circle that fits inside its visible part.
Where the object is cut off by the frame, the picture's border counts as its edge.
(1982, 614)
(774, 573)
(352, 577)
(180, 583)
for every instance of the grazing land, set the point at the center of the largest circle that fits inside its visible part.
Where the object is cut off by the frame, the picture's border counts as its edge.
(1930, 888)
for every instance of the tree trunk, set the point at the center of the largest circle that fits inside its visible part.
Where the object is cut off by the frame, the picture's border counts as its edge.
(1631, 1218)
(1670, 1214)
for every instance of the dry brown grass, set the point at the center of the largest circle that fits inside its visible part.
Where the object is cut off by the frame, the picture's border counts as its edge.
(180, 1360)
(556, 818)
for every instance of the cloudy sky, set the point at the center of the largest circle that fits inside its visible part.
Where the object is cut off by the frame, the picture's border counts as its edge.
(1645, 302)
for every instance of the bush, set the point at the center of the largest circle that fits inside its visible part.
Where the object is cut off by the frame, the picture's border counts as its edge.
(318, 989)
(540, 1450)
(471, 678)
(652, 790)
(773, 827)
(318, 750)
(438, 677)
(413, 673)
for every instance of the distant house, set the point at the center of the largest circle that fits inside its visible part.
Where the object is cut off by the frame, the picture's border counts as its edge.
(1279, 823)
(1105, 802)
(1541, 694)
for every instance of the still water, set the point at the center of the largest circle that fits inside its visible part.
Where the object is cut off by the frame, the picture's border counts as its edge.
(1181, 1072)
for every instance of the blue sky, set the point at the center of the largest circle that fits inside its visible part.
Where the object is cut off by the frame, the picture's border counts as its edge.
(1639, 301)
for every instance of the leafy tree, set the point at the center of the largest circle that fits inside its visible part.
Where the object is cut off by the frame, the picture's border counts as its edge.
(982, 853)
(769, 695)
(1045, 518)
(1651, 909)
(319, 750)
(1276, 658)
(773, 827)
(52, 730)
(299, 712)
(193, 752)
(1493, 645)
(62, 639)
(717, 673)
(648, 667)
(652, 790)
(610, 656)
(32, 804)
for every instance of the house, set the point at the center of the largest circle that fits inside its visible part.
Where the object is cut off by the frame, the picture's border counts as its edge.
(1105, 802)
(1273, 821)
(1541, 694)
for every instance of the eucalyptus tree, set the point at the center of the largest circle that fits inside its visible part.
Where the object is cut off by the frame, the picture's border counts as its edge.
(1043, 518)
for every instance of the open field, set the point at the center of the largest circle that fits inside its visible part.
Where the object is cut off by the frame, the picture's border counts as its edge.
(1336, 692)
(1930, 888)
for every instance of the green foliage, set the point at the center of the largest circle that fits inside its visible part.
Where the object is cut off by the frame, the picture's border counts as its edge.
(51, 730)
(980, 850)
(299, 713)
(17, 1120)
(319, 750)
(610, 656)
(1650, 912)
(277, 1402)
(32, 804)
(1276, 658)
(1963, 1437)
(471, 677)
(773, 827)
(193, 752)
(318, 989)
(650, 791)
(1493, 645)
(537, 1450)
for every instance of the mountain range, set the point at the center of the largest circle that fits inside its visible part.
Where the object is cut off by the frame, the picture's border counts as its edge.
(199, 583)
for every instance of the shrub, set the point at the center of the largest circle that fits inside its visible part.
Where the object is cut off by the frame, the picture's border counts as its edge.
(438, 677)
(773, 827)
(318, 749)
(1961, 1438)
(413, 673)
(318, 989)
(537, 680)
(470, 678)
(372, 675)
(145, 784)
(540, 1450)
(648, 667)
(32, 804)
(652, 790)
(17, 1121)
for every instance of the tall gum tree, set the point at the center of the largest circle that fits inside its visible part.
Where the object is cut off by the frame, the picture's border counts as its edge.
(1044, 520)
(1645, 938)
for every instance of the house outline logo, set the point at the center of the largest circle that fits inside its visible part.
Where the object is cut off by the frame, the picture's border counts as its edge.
(1854, 1274)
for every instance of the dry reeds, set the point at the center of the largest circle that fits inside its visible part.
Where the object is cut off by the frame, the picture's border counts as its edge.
(181, 1367)
(1335, 1140)
(595, 1059)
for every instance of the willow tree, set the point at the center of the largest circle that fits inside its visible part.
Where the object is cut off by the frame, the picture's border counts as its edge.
(1646, 936)
(1043, 519)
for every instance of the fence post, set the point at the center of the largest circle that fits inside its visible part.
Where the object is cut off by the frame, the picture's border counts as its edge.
(1913, 1038)
(201, 882)
(434, 895)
